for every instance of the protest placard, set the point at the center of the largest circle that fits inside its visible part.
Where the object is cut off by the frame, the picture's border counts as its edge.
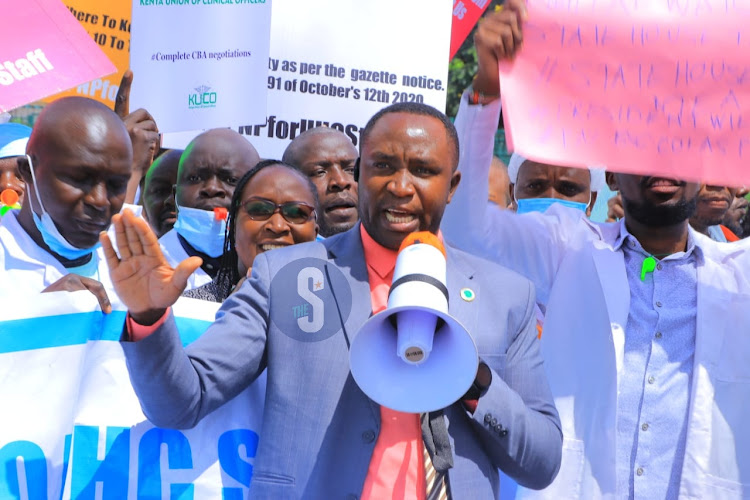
(108, 23)
(72, 426)
(44, 50)
(659, 87)
(200, 63)
(336, 62)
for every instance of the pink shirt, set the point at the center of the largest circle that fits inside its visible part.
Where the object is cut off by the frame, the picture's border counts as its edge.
(396, 469)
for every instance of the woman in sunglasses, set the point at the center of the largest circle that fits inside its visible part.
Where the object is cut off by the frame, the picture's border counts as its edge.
(273, 206)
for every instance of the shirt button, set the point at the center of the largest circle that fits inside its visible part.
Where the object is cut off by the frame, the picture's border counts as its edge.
(368, 436)
(658, 335)
(658, 304)
(639, 471)
(658, 266)
(644, 427)
(651, 379)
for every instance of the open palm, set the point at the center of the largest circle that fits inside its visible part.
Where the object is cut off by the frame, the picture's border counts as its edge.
(142, 277)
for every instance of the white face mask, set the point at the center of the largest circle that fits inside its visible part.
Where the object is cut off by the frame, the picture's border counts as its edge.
(202, 230)
(46, 226)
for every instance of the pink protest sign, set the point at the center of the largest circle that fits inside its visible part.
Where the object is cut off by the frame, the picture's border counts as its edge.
(44, 50)
(658, 87)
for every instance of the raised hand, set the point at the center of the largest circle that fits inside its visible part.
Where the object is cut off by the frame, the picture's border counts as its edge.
(142, 277)
(144, 134)
(498, 37)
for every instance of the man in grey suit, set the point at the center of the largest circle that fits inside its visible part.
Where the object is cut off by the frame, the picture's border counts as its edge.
(321, 434)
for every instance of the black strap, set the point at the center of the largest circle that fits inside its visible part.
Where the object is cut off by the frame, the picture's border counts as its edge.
(419, 277)
(436, 440)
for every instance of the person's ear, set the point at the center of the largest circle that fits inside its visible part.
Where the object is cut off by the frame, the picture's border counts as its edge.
(512, 191)
(611, 181)
(455, 180)
(356, 171)
(589, 208)
(24, 169)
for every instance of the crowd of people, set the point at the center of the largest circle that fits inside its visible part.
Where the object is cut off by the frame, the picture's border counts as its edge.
(613, 356)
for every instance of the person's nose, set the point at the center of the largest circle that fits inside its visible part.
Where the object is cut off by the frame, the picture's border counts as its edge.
(7, 181)
(277, 224)
(169, 202)
(98, 197)
(338, 179)
(213, 188)
(401, 185)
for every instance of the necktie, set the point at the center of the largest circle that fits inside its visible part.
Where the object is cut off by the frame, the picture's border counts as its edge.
(438, 457)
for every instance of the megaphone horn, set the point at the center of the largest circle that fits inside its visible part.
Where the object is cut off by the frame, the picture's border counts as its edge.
(415, 357)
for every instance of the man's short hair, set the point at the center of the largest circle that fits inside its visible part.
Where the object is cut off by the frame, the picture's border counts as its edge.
(414, 108)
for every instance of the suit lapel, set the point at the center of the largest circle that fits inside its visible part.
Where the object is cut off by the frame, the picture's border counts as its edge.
(347, 254)
(610, 269)
(345, 251)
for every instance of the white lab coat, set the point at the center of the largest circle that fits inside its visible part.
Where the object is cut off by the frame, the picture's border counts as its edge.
(27, 268)
(583, 284)
(175, 254)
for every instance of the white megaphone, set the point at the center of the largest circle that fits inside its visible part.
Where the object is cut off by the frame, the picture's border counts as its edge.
(413, 356)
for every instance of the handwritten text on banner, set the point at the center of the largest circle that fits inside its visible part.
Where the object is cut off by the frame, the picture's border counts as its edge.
(659, 87)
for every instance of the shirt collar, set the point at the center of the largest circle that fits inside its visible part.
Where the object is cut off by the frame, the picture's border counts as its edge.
(625, 238)
(382, 260)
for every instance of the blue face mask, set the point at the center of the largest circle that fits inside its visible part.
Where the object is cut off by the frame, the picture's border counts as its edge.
(526, 205)
(201, 229)
(47, 228)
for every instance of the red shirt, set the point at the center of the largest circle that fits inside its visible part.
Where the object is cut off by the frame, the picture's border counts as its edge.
(396, 468)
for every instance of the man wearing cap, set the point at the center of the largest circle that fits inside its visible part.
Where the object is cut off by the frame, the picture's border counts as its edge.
(300, 313)
(208, 171)
(13, 139)
(642, 341)
(535, 186)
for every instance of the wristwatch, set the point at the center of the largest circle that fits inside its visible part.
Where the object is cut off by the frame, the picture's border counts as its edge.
(481, 383)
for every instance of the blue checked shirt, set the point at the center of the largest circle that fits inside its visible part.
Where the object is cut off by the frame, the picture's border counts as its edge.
(655, 380)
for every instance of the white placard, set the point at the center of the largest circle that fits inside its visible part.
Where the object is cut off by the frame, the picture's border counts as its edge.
(337, 62)
(200, 64)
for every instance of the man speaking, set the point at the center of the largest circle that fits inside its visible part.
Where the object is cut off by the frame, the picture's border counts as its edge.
(322, 436)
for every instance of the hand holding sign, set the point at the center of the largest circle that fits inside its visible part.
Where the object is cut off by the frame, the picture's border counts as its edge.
(498, 37)
(142, 278)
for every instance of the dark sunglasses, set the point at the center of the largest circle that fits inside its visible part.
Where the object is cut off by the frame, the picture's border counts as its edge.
(294, 212)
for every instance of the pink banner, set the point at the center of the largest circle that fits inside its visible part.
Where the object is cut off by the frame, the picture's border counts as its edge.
(44, 50)
(659, 87)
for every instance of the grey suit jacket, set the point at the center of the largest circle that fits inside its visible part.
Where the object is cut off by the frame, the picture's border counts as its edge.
(319, 428)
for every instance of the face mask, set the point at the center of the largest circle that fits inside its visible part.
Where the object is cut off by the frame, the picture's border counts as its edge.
(202, 229)
(47, 228)
(526, 205)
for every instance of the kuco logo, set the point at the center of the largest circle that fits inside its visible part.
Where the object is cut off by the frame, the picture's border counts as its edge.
(202, 98)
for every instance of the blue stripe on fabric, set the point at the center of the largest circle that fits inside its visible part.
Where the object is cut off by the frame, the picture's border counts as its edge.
(75, 329)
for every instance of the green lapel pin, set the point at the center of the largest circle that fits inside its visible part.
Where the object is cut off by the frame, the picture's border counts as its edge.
(468, 294)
